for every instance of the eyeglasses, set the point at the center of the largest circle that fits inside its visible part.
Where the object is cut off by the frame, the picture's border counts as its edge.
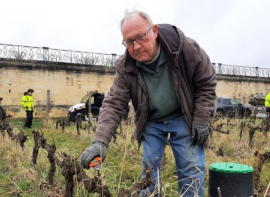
(139, 39)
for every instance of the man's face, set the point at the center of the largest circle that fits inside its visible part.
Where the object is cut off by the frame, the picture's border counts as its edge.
(134, 27)
(30, 93)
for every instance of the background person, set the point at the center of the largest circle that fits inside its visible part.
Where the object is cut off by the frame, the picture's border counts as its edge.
(267, 102)
(171, 83)
(27, 104)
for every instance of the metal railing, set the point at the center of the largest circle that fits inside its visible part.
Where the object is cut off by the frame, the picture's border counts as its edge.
(29, 53)
(224, 69)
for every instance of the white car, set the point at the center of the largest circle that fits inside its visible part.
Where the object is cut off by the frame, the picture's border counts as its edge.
(80, 111)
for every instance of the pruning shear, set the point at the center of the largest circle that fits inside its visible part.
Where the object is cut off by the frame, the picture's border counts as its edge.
(96, 164)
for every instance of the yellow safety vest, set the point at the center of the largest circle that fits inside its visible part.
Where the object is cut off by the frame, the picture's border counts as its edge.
(28, 101)
(267, 100)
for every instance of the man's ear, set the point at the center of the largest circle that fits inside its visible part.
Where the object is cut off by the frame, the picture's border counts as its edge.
(155, 30)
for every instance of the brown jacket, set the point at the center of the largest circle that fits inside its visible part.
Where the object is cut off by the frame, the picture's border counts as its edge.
(193, 78)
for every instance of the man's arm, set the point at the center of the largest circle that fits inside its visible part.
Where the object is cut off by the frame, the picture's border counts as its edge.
(204, 87)
(204, 81)
(113, 109)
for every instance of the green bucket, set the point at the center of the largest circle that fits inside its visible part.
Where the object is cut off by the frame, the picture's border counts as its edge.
(233, 179)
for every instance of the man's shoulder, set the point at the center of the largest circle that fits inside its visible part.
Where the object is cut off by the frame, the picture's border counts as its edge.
(120, 62)
(170, 37)
(168, 30)
(125, 63)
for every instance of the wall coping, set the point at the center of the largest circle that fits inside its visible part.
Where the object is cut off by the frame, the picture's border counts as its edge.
(69, 67)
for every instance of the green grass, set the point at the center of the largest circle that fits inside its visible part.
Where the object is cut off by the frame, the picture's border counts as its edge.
(122, 166)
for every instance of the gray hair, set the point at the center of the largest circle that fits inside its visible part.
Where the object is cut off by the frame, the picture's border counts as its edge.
(141, 13)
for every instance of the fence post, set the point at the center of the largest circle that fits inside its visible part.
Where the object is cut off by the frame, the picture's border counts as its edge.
(48, 107)
(113, 58)
(46, 53)
(89, 113)
(257, 71)
(219, 68)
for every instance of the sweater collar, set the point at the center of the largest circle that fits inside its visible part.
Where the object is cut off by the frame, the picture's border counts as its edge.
(161, 60)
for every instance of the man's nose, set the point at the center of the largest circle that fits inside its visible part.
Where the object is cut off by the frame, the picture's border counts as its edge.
(136, 45)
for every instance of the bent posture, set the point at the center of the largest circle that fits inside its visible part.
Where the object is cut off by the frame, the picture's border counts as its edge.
(171, 83)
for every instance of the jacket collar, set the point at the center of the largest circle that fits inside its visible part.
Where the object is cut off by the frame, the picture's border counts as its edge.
(171, 40)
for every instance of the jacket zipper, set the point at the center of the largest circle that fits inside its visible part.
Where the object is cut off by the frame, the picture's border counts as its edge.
(178, 84)
(181, 104)
(140, 81)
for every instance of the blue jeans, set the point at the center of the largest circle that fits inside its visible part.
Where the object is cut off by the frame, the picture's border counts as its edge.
(189, 158)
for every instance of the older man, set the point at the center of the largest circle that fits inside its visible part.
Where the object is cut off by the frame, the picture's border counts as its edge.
(171, 83)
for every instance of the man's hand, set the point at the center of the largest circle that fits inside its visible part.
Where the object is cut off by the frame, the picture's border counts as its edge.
(200, 133)
(90, 153)
(26, 107)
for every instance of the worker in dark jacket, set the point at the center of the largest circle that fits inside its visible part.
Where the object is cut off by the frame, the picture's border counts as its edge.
(27, 104)
(171, 83)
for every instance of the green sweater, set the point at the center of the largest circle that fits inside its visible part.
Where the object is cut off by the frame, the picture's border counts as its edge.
(163, 104)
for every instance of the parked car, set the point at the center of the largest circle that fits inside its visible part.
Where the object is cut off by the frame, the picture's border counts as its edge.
(259, 111)
(80, 111)
(231, 108)
(258, 108)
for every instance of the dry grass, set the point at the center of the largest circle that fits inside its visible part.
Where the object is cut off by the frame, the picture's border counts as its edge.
(123, 163)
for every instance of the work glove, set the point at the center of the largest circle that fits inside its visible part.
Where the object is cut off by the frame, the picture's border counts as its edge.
(26, 107)
(94, 150)
(199, 133)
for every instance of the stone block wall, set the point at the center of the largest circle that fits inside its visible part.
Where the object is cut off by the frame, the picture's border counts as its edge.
(67, 87)
(68, 83)
(241, 88)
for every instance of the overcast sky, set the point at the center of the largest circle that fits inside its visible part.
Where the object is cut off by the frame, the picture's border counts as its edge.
(234, 32)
